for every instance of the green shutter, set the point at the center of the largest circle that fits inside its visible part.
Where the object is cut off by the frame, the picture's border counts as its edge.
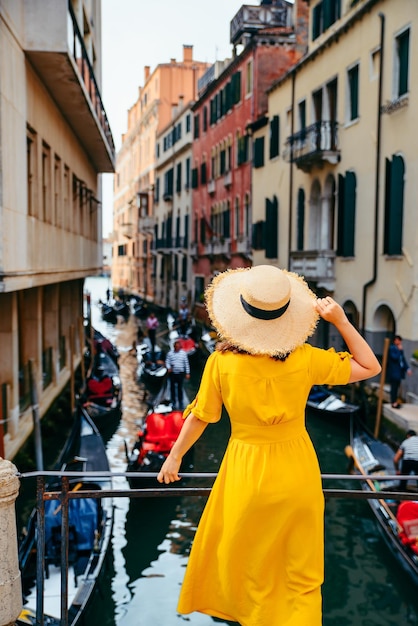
(396, 202)
(403, 52)
(271, 231)
(300, 219)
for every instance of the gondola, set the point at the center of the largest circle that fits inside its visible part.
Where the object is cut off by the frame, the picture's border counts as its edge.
(156, 437)
(397, 523)
(102, 396)
(208, 340)
(324, 402)
(90, 531)
(151, 364)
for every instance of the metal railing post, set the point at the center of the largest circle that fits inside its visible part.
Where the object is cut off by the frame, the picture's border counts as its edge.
(10, 582)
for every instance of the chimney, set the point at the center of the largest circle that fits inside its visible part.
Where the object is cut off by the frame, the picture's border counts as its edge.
(146, 73)
(301, 21)
(187, 54)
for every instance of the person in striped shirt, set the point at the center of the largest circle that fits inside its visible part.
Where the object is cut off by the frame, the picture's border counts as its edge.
(408, 453)
(178, 368)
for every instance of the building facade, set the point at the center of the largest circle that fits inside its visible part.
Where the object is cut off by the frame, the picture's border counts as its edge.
(54, 142)
(167, 86)
(173, 210)
(337, 202)
(271, 38)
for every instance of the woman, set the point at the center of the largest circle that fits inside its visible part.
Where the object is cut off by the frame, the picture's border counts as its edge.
(257, 557)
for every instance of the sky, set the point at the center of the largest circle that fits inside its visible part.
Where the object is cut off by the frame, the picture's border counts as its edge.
(136, 33)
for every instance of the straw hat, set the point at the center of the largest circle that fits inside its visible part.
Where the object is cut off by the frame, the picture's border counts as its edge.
(262, 310)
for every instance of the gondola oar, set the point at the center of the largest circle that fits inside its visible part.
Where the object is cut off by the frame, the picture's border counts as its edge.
(351, 455)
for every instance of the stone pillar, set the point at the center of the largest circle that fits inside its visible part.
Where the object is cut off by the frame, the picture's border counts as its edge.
(10, 583)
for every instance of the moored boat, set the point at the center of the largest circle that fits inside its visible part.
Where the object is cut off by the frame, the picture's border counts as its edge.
(102, 397)
(151, 364)
(396, 522)
(161, 427)
(325, 402)
(90, 531)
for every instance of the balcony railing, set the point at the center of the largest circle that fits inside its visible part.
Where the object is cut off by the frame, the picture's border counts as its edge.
(313, 145)
(316, 266)
(60, 52)
(127, 230)
(65, 495)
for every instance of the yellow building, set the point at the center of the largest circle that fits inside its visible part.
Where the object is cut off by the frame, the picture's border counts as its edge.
(54, 142)
(337, 201)
(164, 88)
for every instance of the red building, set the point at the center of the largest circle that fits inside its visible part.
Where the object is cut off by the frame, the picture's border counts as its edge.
(272, 37)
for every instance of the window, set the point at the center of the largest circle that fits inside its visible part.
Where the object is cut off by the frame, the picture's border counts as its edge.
(236, 218)
(188, 123)
(242, 152)
(325, 13)
(401, 63)
(227, 221)
(274, 137)
(168, 184)
(188, 170)
(346, 214)
(31, 166)
(178, 178)
(394, 202)
(249, 78)
(271, 230)
(300, 231)
(353, 89)
(58, 191)
(46, 183)
(196, 127)
(203, 177)
(66, 198)
(259, 152)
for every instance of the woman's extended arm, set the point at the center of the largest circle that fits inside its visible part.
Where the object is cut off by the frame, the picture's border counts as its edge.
(364, 363)
(189, 434)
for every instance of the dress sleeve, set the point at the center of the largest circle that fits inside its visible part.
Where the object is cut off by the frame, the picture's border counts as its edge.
(328, 367)
(207, 405)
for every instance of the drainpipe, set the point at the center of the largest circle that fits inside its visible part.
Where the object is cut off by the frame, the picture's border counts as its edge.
(377, 184)
(292, 130)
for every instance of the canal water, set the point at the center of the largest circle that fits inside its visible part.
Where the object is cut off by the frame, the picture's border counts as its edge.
(363, 586)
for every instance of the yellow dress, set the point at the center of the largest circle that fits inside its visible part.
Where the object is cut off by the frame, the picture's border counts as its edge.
(257, 557)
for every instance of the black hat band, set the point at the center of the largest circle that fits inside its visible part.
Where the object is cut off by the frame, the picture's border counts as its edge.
(262, 314)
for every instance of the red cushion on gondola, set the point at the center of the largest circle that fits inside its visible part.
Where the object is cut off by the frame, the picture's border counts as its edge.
(407, 516)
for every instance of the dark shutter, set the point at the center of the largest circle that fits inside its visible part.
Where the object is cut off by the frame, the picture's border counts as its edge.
(271, 232)
(300, 220)
(403, 52)
(274, 136)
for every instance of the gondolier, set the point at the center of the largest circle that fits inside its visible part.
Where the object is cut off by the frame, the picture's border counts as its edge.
(178, 369)
(408, 454)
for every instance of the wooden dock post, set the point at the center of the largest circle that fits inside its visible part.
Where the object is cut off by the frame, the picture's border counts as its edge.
(10, 581)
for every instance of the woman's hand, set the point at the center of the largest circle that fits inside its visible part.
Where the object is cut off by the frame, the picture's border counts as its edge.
(330, 310)
(169, 471)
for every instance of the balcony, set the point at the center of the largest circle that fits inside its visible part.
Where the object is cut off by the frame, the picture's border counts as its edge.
(127, 230)
(211, 187)
(147, 224)
(243, 246)
(228, 179)
(317, 266)
(59, 57)
(313, 146)
(251, 19)
(218, 246)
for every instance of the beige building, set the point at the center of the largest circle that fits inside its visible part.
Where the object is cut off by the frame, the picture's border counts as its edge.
(338, 203)
(164, 88)
(54, 142)
(173, 210)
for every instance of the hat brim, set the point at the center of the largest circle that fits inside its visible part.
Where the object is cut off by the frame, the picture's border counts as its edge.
(275, 337)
